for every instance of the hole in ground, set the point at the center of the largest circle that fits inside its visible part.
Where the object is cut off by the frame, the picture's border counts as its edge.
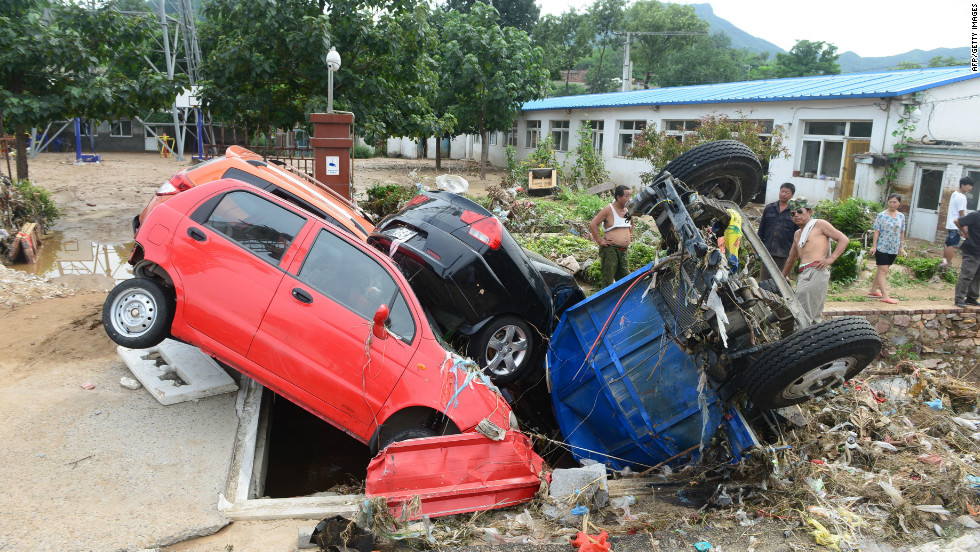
(308, 455)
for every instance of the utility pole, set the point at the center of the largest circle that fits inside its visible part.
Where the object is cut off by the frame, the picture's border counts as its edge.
(628, 63)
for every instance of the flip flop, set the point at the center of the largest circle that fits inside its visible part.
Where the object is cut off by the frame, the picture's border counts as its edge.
(875, 294)
(890, 301)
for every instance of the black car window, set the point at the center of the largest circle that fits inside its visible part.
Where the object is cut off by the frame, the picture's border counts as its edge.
(350, 277)
(239, 174)
(260, 226)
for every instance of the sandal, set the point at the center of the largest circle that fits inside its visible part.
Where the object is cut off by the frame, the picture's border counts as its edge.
(890, 301)
(874, 294)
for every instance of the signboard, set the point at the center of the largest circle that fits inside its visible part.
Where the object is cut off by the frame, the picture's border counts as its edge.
(333, 165)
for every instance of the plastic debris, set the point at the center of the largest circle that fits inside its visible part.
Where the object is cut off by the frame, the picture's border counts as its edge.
(817, 486)
(971, 425)
(886, 446)
(743, 518)
(88, 386)
(341, 533)
(452, 183)
(580, 510)
(592, 543)
(129, 383)
(702, 546)
(973, 481)
(935, 404)
(893, 493)
(968, 522)
(623, 503)
(823, 536)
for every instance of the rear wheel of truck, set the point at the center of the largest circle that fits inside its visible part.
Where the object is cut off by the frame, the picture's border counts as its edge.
(811, 362)
(723, 169)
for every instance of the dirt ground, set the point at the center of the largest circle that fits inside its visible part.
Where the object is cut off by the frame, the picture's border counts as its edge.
(51, 325)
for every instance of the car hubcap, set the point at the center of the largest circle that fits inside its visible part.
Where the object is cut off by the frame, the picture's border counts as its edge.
(506, 350)
(820, 379)
(133, 313)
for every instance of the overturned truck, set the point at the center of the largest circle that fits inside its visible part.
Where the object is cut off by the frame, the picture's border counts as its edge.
(656, 367)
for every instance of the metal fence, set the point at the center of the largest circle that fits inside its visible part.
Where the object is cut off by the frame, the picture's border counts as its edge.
(299, 158)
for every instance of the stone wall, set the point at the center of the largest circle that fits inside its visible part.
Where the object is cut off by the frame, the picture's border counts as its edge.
(951, 335)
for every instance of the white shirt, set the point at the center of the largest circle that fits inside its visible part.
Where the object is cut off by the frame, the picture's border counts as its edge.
(957, 203)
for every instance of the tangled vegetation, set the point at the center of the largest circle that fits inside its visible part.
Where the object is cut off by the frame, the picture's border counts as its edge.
(854, 217)
(22, 202)
(385, 199)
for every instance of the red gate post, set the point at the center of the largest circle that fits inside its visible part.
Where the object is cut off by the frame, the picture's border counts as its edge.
(332, 143)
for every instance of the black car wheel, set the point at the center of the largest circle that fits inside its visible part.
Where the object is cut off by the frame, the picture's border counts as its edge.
(406, 434)
(137, 313)
(724, 170)
(503, 349)
(811, 362)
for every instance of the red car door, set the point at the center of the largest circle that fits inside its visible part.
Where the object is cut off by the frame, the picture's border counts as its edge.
(227, 255)
(317, 332)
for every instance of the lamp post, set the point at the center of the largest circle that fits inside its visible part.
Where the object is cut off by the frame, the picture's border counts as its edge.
(333, 63)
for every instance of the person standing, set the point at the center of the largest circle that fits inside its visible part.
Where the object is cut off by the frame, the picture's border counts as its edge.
(617, 234)
(955, 210)
(968, 284)
(776, 228)
(811, 245)
(888, 244)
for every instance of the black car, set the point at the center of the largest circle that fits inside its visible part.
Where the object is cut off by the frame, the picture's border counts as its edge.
(483, 291)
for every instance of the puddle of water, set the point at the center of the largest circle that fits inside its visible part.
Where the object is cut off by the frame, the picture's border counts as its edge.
(80, 263)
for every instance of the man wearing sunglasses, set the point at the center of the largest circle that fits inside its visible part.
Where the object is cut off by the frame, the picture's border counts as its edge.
(617, 234)
(811, 245)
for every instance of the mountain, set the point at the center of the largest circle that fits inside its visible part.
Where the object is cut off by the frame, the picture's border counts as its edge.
(740, 38)
(849, 61)
(852, 63)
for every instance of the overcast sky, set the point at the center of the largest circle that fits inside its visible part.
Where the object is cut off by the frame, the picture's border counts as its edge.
(868, 28)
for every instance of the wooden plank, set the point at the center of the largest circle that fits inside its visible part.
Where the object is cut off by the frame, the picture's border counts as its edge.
(599, 188)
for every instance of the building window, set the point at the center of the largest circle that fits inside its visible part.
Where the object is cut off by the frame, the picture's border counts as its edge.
(971, 198)
(597, 130)
(121, 129)
(533, 134)
(559, 135)
(673, 127)
(628, 130)
(823, 146)
(512, 135)
(493, 138)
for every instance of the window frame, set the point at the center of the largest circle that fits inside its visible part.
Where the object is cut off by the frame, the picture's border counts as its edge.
(205, 213)
(636, 126)
(511, 137)
(493, 138)
(559, 130)
(973, 198)
(120, 123)
(823, 140)
(532, 134)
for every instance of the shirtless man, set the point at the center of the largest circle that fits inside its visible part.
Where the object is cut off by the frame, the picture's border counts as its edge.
(617, 233)
(811, 245)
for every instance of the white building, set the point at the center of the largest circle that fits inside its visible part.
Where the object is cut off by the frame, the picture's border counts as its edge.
(837, 129)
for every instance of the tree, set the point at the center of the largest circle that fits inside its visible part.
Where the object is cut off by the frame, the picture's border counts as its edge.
(563, 39)
(497, 71)
(264, 62)
(605, 17)
(520, 14)
(710, 59)
(948, 61)
(650, 52)
(59, 60)
(804, 60)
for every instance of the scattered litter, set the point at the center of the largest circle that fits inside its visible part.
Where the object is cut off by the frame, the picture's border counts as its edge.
(971, 425)
(339, 533)
(702, 546)
(592, 543)
(933, 509)
(886, 446)
(935, 404)
(580, 510)
(968, 522)
(88, 386)
(893, 493)
(130, 383)
(823, 536)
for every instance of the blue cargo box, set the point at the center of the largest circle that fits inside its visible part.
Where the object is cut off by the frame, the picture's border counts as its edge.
(624, 393)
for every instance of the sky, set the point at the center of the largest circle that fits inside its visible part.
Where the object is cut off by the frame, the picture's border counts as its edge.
(865, 27)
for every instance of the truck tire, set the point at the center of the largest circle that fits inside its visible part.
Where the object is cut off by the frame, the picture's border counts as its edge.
(723, 169)
(811, 362)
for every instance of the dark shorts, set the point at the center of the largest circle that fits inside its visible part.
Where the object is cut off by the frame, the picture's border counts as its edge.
(952, 238)
(884, 259)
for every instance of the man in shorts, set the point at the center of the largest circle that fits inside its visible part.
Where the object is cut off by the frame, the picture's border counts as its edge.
(811, 245)
(955, 210)
(617, 233)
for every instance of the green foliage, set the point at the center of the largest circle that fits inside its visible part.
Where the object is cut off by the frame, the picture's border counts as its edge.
(564, 39)
(846, 267)
(593, 274)
(521, 14)
(651, 54)
(660, 148)
(559, 245)
(25, 202)
(950, 276)
(854, 217)
(363, 151)
(543, 156)
(900, 279)
(896, 158)
(906, 351)
(640, 254)
(588, 165)
(806, 58)
(923, 268)
(385, 199)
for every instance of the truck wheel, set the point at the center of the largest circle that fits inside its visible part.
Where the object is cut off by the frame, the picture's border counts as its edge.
(723, 169)
(810, 362)
(137, 313)
(503, 348)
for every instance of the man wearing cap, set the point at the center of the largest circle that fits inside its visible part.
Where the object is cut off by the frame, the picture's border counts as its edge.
(811, 245)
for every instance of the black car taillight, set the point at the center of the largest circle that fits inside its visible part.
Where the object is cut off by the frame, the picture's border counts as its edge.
(485, 229)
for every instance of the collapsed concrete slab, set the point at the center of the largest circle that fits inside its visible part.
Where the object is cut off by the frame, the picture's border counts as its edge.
(175, 372)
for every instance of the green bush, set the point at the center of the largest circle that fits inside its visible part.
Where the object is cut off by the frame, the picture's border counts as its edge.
(559, 245)
(363, 151)
(27, 203)
(385, 199)
(950, 276)
(923, 268)
(846, 267)
(853, 217)
(640, 254)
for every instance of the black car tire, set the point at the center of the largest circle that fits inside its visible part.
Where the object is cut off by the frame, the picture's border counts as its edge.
(498, 349)
(811, 362)
(406, 434)
(724, 169)
(137, 313)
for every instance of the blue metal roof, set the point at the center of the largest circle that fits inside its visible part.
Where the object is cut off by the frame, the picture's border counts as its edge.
(879, 84)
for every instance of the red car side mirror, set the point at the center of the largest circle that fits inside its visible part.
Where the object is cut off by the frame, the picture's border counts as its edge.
(380, 317)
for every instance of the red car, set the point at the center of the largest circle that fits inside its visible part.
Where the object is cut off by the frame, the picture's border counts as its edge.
(304, 308)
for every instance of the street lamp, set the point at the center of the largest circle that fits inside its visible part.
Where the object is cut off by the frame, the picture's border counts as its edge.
(333, 63)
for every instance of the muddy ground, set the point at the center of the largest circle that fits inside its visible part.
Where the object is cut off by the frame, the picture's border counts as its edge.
(51, 340)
